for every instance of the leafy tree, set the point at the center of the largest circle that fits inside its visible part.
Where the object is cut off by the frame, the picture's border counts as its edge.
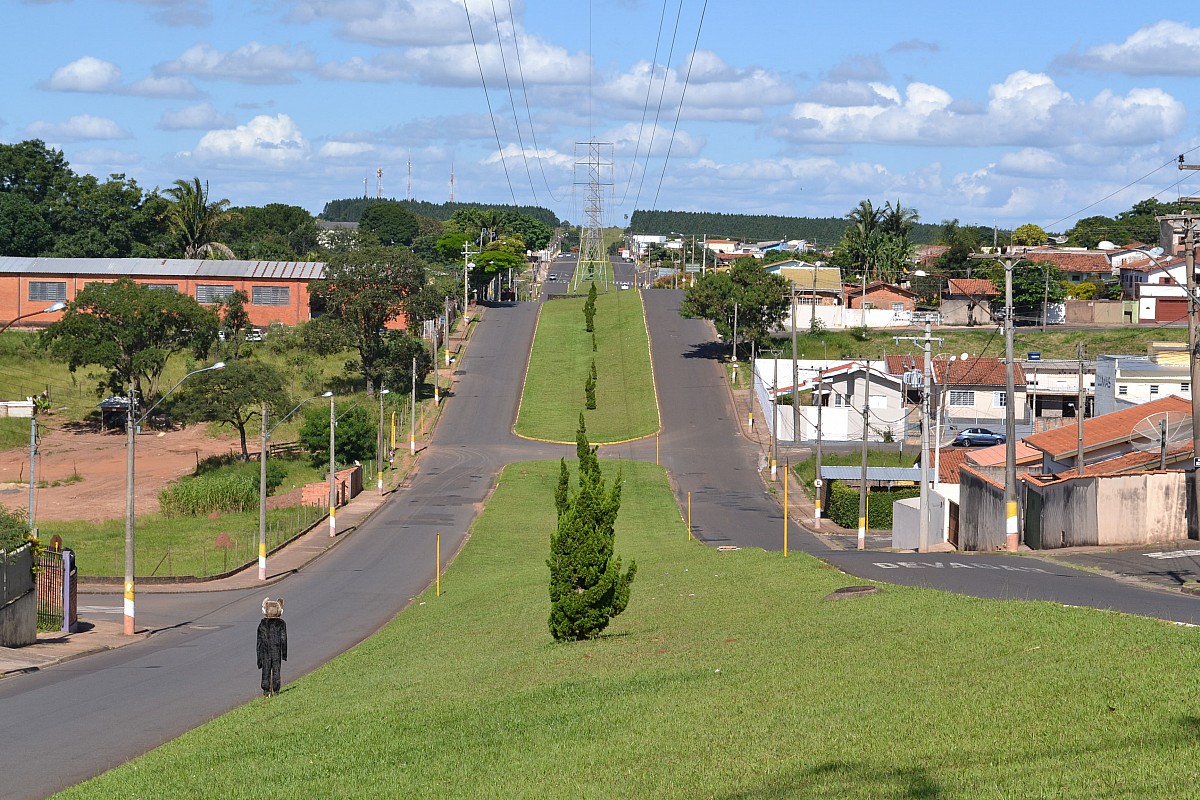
(365, 289)
(762, 300)
(197, 221)
(23, 231)
(450, 245)
(1029, 235)
(354, 435)
(235, 321)
(272, 232)
(34, 171)
(130, 330)
(1033, 285)
(390, 223)
(961, 241)
(496, 259)
(232, 396)
(1084, 290)
(587, 588)
(589, 310)
(113, 219)
(326, 336)
(399, 350)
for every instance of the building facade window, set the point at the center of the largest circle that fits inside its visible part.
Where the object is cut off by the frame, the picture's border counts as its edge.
(897, 306)
(960, 398)
(270, 295)
(47, 290)
(1122, 390)
(168, 287)
(1185, 387)
(207, 293)
(1154, 388)
(999, 399)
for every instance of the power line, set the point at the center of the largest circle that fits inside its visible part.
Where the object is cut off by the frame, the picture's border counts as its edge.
(658, 110)
(682, 95)
(486, 97)
(646, 103)
(528, 111)
(512, 100)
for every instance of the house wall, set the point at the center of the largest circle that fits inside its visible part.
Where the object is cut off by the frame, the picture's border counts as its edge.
(14, 295)
(1153, 508)
(1067, 514)
(882, 299)
(981, 514)
(1100, 312)
(959, 311)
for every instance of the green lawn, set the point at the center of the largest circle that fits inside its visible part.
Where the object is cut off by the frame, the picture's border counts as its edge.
(553, 394)
(728, 676)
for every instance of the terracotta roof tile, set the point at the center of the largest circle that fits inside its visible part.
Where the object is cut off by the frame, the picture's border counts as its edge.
(1071, 262)
(948, 463)
(1104, 430)
(983, 371)
(975, 287)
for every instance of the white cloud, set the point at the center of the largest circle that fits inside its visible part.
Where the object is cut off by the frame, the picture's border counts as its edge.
(178, 12)
(87, 74)
(715, 91)
(200, 117)
(1164, 48)
(858, 68)
(344, 149)
(911, 45)
(158, 86)
(1025, 109)
(456, 64)
(625, 140)
(548, 157)
(399, 22)
(380, 69)
(267, 141)
(253, 63)
(80, 128)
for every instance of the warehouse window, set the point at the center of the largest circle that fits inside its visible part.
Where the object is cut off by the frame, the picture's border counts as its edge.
(170, 287)
(212, 293)
(270, 295)
(958, 398)
(47, 290)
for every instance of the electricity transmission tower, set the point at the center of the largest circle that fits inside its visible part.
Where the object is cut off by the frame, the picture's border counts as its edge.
(598, 169)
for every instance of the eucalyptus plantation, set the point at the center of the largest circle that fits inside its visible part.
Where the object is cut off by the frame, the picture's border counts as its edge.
(587, 588)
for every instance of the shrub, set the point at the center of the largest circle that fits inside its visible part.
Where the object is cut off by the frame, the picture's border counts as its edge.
(223, 492)
(842, 507)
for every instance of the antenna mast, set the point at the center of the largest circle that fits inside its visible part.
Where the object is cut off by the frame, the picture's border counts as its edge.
(451, 181)
(408, 194)
(379, 183)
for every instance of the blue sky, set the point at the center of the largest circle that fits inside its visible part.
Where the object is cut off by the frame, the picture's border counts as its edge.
(1029, 113)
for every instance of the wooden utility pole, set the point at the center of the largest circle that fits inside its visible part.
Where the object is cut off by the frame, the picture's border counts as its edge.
(1080, 412)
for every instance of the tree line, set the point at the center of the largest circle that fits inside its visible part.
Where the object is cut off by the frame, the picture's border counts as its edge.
(351, 209)
(824, 231)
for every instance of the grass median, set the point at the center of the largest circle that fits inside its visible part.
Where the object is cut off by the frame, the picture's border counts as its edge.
(553, 394)
(727, 676)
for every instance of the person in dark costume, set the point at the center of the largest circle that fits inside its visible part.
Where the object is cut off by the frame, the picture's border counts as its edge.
(272, 644)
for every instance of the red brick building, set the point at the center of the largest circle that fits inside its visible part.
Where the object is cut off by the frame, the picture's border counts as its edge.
(277, 290)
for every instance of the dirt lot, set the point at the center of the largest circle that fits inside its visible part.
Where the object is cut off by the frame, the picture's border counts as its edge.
(99, 459)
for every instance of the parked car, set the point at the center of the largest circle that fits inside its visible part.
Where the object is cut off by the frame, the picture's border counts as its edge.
(976, 437)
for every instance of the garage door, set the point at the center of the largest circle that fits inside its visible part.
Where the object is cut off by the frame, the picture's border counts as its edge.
(1170, 309)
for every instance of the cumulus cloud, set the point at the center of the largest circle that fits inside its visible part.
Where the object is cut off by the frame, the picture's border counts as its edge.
(456, 65)
(858, 68)
(548, 157)
(200, 117)
(252, 63)
(912, 45)
(87, 74)
(175, 88)
(1164, 48)
(399, 22)
(80, 128)
(627, 138)
(265, 140)
(715, 90)
(1025, 109)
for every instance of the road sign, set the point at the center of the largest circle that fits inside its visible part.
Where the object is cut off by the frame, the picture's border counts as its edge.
(817, 481)
(1035, 356)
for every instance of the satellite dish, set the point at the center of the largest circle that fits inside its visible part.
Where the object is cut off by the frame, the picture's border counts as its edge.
(1161, 430)
(1106, 245)
(1059, 239)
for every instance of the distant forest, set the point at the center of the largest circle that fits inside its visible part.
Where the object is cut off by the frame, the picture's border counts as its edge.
(351, 209)
(823, 231)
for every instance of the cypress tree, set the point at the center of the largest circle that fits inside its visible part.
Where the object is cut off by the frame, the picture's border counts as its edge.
(589, 310)
(587, 588)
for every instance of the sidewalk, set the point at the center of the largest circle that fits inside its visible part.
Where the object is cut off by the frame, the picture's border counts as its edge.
(99, 635)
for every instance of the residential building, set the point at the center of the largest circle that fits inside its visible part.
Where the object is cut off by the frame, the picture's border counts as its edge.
(1126, 381)
(967, 301)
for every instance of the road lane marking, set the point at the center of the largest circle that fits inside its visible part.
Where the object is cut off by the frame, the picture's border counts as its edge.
(955, 565)
(1173, 554)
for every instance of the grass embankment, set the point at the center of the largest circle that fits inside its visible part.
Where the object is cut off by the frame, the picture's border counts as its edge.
(562, 356)
(728, 676)
(981, 342)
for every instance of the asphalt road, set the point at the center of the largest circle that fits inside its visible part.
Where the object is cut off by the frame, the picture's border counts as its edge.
(62, 725)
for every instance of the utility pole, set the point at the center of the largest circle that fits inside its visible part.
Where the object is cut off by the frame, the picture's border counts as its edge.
(820, 484)
(32, 473)
(1011, 519)
(332, 472)
(862, 491)
(1189, 223)
(262, 497)
(926, 393)
(735, 324)
(795, 375)
(1080, 412)
(412, 418)
(775, 415)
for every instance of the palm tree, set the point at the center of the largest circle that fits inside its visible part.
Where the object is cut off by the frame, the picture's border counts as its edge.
(899, 220)
(198, 221)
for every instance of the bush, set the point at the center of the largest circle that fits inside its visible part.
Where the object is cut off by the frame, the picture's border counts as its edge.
(14, 529)
(842, 507)
(222, 492)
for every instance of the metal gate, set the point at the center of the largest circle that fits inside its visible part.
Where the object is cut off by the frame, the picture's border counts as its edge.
(50, 591)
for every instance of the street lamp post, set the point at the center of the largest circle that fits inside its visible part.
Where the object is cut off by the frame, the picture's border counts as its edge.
(332, 472)
(262, 482)
(131, 423)
(382, 392)
(59, 306)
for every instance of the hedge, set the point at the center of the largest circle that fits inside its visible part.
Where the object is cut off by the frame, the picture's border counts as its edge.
(842, 505)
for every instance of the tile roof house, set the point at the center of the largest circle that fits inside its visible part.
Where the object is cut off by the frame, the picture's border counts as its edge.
(967, 301)
(1077, 264)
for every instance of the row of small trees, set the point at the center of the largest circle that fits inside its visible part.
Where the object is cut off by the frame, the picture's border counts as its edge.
(587, 586)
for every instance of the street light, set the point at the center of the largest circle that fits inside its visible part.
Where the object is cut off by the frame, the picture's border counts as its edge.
(332, 472)
(382, 392)
(59, 306)
(262, 482)
(131, 424)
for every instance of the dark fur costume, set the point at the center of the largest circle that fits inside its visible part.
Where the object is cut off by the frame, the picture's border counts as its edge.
(272, 645)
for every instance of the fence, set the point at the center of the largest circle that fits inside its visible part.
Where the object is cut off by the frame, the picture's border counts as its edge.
(16, 575)
(196, 557)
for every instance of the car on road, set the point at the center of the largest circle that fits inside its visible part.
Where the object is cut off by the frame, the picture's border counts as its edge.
(553, 276)
(977, 437)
